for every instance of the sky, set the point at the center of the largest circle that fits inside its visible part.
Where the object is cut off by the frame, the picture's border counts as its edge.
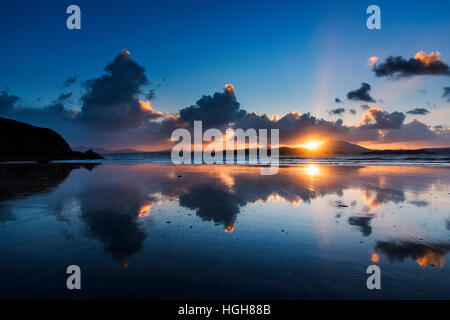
(284, 59)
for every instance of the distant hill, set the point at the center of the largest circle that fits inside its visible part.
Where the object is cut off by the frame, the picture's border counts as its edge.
(409, 151)
(23, 142)
(105, 151)
(342, 147)
(330, 147)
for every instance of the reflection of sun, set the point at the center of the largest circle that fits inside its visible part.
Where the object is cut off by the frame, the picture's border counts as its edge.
(312, 170)
(311, 145)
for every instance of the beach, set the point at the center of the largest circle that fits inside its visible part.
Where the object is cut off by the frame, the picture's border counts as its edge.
(162, 231)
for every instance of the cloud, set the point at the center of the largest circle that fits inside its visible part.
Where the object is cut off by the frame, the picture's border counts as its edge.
(372, 61)
(51, 115)
(421, 64)
(446, 94)
(7, 102)
(69, 81)
(361, 94)
(215, 111)
(378, 119)
(416, 131)
(337, 111)
(337, 100)
(293, 125)
(112, 102)
(64, 96)
(115, 102)
(418, 111)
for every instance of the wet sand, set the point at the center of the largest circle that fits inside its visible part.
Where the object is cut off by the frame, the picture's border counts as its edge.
(157, 231)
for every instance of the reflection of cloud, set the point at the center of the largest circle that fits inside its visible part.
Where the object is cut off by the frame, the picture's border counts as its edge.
(363, 223)
(110, 213)
(375, 258)
(424, 254)
(213, 202)
(419, 203)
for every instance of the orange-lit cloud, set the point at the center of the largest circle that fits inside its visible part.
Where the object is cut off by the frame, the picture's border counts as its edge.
(427, 58)
(229, 88)
(147, 107)
(372, 60)
(369, 116)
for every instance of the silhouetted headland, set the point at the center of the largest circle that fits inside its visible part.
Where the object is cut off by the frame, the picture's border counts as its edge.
(23, 142)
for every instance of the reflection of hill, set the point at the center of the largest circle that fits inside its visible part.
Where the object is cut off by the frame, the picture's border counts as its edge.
(18, 180)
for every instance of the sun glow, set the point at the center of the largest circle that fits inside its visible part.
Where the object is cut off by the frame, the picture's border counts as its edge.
(312, 170)
(311, 145)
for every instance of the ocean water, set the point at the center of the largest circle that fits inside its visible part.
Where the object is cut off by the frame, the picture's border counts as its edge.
(161, 231)
(398, 160)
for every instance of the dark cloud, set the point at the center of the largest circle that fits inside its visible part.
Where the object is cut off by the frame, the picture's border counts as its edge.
(337, 111)
(361, 94)
(7, 102)
(112, 103)
(418, 111)
(446, 94)
(417, 131)
(64, 96)
(215, 111)
(48, 116)
(379, 119)
(421, 64)
(293, 125)
(69, 81)
(150, 94)
(111, 100)
(337, 100)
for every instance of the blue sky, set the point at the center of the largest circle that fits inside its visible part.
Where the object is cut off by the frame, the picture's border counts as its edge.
(280, 56)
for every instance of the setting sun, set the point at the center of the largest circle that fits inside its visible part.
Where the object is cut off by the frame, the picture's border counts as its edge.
(311, 145)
